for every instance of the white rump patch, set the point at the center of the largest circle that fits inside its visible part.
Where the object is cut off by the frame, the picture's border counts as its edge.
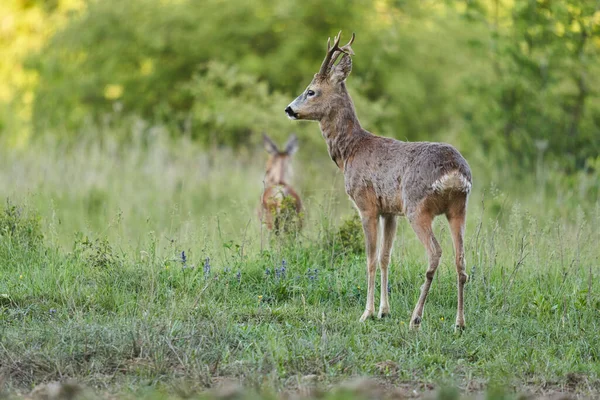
(452, 181)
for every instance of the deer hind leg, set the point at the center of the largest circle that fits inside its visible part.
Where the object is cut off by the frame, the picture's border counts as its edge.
(369, 223)
(457, 221)
(267, 218)
(422, 225)
(389, 234)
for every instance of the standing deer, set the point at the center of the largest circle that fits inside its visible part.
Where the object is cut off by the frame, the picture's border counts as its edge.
(385, 178)
(280, 205)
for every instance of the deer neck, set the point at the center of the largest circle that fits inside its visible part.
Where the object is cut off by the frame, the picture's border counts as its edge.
(277, 172)
(342, 130)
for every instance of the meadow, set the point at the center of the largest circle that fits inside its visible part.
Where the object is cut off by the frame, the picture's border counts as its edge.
(139, 269)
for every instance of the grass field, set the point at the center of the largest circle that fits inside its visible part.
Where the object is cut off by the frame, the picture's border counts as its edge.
(141, 270)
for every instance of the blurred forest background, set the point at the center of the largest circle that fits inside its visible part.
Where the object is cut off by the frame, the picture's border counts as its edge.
(508, 78)
(514, 85)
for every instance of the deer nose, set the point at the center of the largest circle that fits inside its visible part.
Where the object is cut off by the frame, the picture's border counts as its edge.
(291, 113)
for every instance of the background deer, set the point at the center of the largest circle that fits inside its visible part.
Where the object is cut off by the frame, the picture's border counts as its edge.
(385, 178)
(280, 205)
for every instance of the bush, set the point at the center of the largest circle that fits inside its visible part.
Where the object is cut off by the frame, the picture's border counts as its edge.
(348, 238)
(96, 253)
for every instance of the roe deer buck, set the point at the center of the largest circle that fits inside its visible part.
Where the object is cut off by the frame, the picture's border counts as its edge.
(279, 203)
(385, 178)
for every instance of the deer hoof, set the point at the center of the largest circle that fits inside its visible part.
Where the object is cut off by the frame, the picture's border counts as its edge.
(415, 324)
(367, 314)
(383, 314)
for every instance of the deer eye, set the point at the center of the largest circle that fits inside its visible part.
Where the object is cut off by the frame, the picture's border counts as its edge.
(310, 93)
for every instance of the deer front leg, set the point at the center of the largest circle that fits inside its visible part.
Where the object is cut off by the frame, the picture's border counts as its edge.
(389, 234)
(369, 223)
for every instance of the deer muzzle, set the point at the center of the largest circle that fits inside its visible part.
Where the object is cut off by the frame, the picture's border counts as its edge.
(291, 113)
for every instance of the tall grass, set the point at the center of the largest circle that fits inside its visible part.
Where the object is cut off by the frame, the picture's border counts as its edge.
(153, 271)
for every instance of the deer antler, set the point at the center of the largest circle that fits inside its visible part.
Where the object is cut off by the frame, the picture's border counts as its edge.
(333, 53)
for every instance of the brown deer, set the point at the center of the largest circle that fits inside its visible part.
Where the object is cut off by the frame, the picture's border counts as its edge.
(280, 205)
(385, 178)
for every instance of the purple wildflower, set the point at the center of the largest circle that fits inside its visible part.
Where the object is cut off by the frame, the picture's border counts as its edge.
(283, 269)
(207, 267)
(184, 260)
(313, 274)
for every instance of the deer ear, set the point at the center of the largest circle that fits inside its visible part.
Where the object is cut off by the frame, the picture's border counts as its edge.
(341, 71)
(292, 145)
(270, 146)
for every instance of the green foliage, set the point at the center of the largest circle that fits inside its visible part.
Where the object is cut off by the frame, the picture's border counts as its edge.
(344, 240)
(95, 253)
(349, 238)
(541, 96)
(231, 107)
(142, 53)
(287, 220)
(515, 82)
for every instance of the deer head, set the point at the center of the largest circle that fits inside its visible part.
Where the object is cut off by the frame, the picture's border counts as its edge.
(279, 168)
(327, 90)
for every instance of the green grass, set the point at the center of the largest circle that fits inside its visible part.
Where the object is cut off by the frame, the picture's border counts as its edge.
(104, 298)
